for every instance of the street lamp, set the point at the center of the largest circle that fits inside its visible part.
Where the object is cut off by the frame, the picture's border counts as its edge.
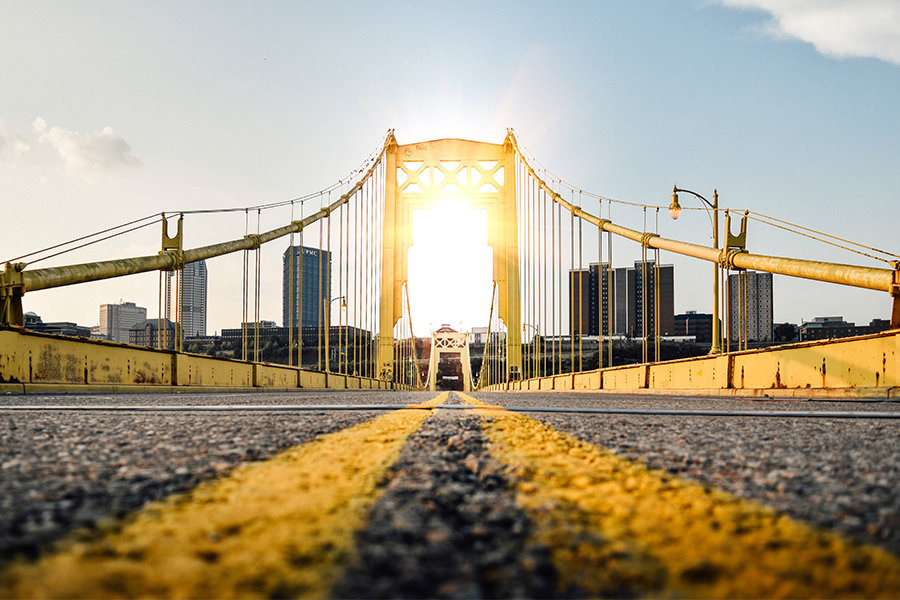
(328, 327)
(675, 212)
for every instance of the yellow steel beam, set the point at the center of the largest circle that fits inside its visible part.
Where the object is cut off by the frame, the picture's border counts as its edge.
(15, 281)
(885, 280)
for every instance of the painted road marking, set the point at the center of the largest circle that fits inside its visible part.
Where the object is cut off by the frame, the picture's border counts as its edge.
(279, 528)
(613, 525)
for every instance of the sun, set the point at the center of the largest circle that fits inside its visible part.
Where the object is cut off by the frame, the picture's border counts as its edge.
(450, 268)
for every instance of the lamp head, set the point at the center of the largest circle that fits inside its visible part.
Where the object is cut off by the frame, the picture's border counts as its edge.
(675, 208)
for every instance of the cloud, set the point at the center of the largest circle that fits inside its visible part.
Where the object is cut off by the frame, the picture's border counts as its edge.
(838, 28)
(4, 137)
(20, 146)
(89, 154)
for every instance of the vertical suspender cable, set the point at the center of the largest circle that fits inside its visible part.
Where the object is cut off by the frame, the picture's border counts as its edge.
(572, 291)
(581, 293)
(298, 290)
(179, 328)
(159, 314)
(545, 292)
(359, 243)
(644, 295)
(244, 319)
(559, 276)
(320, 301)
(345, 279)
(553, 281)
(329, 284)
(534, 233)
(290, 294)
(357, 277)
(746, 311)
(256, 279)
(599, 294)
(340, 283)
(536, 341)
(610, 302)
(347, 320)
(376, 263)
(365, 285)
(656, 284)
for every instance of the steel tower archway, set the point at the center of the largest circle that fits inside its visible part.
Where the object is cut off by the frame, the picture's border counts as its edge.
(476, 175)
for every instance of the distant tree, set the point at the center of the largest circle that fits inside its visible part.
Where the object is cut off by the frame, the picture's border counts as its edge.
(785, 332)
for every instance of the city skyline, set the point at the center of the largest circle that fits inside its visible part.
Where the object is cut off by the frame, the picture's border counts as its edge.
(768, 105)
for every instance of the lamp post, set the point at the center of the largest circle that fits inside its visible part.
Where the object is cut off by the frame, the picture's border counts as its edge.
(328, 328)
(675, 212)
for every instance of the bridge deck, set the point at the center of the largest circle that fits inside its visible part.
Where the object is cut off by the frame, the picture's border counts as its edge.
(429, 502)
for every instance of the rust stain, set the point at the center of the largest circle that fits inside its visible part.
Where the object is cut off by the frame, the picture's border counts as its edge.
(742, 376)
(778, 383)
(823, 371)
(72, 373)
(150, 375)
(5, 361)
(49, 365)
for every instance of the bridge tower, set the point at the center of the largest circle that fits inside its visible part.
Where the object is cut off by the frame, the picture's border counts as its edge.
(475, 175)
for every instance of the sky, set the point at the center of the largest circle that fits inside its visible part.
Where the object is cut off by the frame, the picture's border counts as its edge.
(113, 111)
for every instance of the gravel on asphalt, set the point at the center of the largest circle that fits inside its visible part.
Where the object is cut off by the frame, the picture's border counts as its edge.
(447, 525)
(838, 474)
(64, 470)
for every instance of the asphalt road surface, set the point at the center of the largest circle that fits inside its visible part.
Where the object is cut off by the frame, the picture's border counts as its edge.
(448, 503)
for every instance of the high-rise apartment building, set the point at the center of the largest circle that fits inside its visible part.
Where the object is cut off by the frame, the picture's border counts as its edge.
(592, 313)
(760, 326)
(666, 288)
(588, 292)
(311, 284)
(582, 318)
(193, 299)
(116, 320)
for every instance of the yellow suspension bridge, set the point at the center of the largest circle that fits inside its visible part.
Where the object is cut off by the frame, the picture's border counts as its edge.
(537, 236)
(637, 488)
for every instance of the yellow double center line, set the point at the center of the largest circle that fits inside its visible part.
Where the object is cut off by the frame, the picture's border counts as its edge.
(279, 528)
(613, 525)
(285, 527)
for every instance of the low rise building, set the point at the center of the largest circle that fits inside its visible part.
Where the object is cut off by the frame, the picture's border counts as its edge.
(147, 333)
(826, 328)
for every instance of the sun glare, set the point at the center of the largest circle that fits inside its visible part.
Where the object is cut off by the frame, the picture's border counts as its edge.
(450, 268)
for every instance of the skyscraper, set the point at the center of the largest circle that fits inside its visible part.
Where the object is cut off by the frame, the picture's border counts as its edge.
(625, 314)
(312, 276)
(116, 320)
(759, 306)
(193, 298)
(666, 288)
(588, 289)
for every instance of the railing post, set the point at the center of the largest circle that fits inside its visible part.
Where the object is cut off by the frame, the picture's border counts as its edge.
(895, 294)
(12, 287)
